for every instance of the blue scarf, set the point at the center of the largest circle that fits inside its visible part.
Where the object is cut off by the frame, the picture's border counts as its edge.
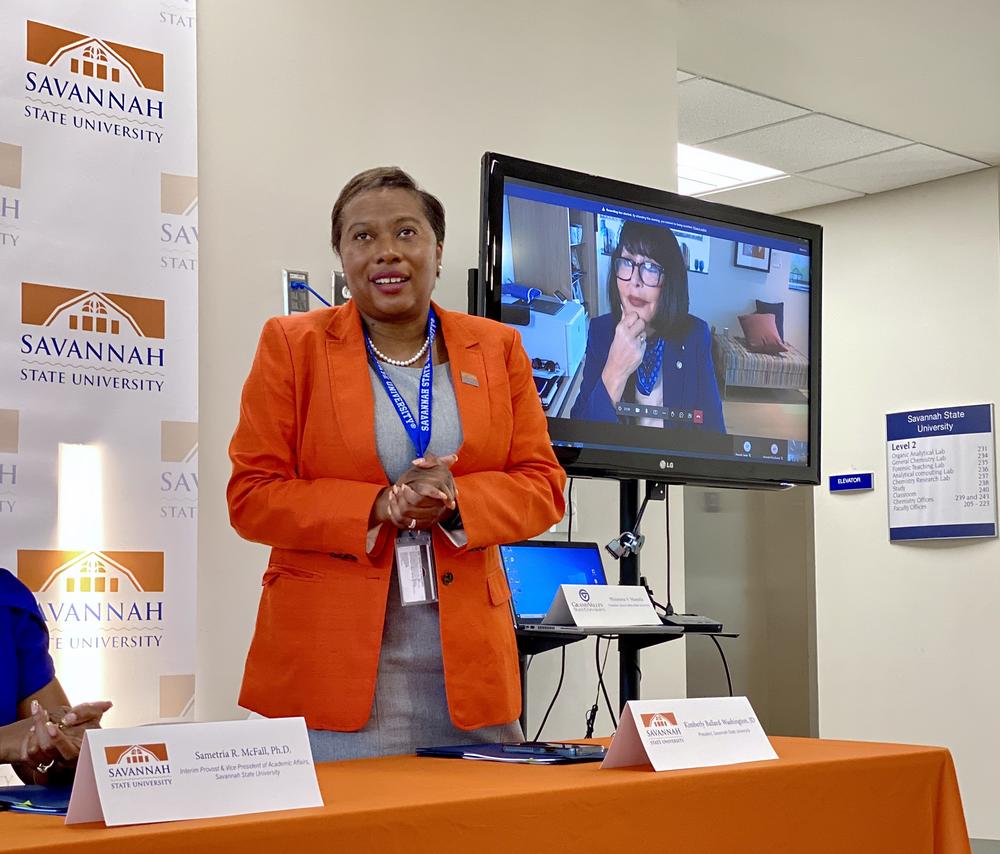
(649, 370)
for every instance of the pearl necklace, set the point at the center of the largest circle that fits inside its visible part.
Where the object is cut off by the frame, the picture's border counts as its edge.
(401, 363)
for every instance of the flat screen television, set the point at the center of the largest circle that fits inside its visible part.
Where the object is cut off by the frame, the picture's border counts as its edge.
(670, 338)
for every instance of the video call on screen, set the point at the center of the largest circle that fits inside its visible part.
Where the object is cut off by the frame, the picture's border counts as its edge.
(728, 379)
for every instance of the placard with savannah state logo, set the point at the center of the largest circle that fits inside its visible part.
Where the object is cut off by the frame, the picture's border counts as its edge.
(695, 732)
(199, 770)
(98, 341)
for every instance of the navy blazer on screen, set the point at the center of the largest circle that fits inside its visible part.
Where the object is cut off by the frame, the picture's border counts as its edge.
(688, 376)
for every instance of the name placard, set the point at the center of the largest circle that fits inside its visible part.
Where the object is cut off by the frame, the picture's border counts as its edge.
(205, 770)
(694, 733)
(597, 605)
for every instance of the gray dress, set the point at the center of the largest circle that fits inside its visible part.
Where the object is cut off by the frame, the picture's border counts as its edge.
(410, 709)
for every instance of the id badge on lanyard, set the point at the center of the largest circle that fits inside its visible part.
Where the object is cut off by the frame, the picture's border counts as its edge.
(415, 568)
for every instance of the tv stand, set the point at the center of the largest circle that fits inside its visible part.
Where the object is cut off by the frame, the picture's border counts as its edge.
(529, 643)
(628, 573)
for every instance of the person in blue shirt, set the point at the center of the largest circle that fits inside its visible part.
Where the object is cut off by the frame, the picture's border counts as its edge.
(40, 733)
(649, 350)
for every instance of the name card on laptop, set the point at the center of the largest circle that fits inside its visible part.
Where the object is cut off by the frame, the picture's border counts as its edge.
(598, 605)
(181, 771)
(694, 733)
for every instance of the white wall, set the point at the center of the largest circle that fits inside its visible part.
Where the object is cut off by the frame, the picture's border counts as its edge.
(907, 635)
(750, 564)
(296, 97)
(720, 296)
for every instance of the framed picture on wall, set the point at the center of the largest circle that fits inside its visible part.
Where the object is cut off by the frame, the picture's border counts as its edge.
(798, 276)
(753, 257)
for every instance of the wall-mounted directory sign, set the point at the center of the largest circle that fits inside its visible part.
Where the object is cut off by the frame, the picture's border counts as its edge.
(941, 473)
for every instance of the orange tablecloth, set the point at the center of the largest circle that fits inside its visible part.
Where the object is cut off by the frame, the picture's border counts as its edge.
(819, 797)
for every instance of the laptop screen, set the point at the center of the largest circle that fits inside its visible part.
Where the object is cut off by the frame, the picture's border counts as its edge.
(535, 569)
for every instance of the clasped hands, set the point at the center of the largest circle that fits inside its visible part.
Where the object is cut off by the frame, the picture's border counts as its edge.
(47, 743)
(422, 497)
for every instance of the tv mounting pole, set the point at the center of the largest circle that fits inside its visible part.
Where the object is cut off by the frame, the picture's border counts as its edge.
(628, 655)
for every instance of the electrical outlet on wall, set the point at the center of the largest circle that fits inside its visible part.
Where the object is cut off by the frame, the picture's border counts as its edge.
(341, 293)
(294, 284)
(712, 502)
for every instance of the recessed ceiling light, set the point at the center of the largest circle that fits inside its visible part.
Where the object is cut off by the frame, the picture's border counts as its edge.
(700, 171)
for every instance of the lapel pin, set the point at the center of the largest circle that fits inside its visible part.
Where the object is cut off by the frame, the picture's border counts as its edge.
(470, 379)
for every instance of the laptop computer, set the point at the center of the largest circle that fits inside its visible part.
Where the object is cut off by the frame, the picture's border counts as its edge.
(536, 568)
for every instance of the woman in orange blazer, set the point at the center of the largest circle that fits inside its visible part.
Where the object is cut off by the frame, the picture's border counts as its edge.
(327, 474)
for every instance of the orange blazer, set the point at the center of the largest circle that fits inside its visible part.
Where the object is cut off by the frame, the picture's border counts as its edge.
(305, 476)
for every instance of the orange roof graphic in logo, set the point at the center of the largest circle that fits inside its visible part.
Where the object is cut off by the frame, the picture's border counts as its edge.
(176, 695)
(178, 194)
(659, 719)
(136, 754)
(10, 165)
(93, 57)
(9, 419)
(44, 570)
(178, 441)
(75, 310)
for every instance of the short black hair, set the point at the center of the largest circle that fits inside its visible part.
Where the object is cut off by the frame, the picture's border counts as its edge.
(382, 177)
(658, 243)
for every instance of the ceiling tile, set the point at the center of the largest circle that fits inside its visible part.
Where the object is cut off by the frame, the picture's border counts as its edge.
(781, 194)
(683, 75)
(707, 110)
(690, 187)
(899, 168)
(807, 142)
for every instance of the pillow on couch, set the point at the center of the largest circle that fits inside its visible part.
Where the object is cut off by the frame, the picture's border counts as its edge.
(761, 333)
(778, 310)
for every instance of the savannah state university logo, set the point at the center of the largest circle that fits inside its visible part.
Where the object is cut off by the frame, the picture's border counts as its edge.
(178, 222)
(92, 84)
(177, 695)
(97, 599)
(179, 470)
(9, 441)
(661, 728)
(659, 719)
(138, 766)
(10, 195)
(178, 14)
(94, 340)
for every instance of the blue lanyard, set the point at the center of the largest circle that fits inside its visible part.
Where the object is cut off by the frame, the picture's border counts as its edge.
(420, 434)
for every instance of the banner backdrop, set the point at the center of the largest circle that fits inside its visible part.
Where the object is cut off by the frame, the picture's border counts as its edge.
(98, 341)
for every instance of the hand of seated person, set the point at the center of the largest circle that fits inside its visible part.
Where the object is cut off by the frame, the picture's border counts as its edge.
(52, 743)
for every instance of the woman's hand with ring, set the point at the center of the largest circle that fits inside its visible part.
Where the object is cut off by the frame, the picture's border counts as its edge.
(625, 354)
(57, 742)
(425, 494)
(416, 505)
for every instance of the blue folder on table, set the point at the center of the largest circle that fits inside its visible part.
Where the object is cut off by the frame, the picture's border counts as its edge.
(46, 800)
(527, 753)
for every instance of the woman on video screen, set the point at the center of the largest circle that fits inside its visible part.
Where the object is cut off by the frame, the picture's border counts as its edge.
(649, 351)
